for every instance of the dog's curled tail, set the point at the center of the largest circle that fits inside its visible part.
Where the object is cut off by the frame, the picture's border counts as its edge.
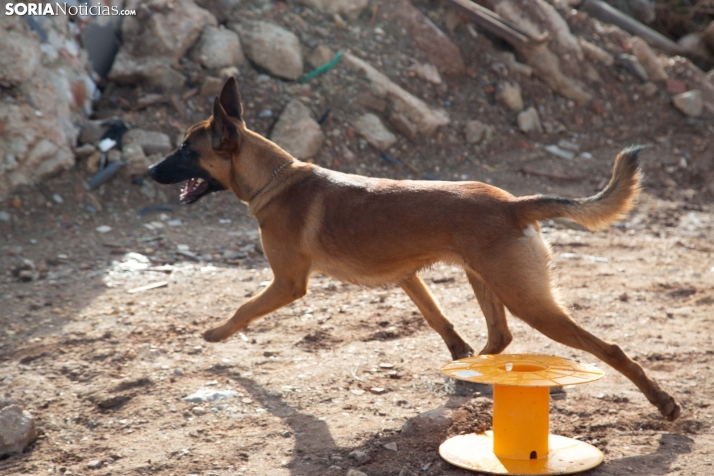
(595, 212)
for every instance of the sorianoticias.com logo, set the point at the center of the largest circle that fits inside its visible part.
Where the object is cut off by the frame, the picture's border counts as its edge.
(53, 9)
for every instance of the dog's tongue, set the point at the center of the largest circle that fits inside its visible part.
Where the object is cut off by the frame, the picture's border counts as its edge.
(193, 187)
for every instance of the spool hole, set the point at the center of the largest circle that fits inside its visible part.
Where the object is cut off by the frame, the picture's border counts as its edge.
(515, 367)
(534, 454)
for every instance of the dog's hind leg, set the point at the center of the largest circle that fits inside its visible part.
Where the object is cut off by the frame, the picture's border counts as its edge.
(419, 293)
(525, 289)
(279, 293)
(499, 336)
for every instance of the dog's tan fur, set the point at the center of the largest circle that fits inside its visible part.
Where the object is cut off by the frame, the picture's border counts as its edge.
(376, 232)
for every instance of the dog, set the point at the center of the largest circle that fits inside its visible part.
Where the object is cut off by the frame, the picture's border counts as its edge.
(376, 232)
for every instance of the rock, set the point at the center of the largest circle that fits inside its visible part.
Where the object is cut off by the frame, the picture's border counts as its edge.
(568, 145)
(595, 53)
(477, 131)
(223, 9)
(690, 103)
(297, 132)
(17, 429)
(151, 142)
(649, 89)
(198, 411)
(360, 456)
(695, 46)
(211, 87)
(426, 119)
(434, 421)
(350, 8)
(113, 156)
(93, 162)
(648, 59)
(427, 72)
(529, 121)
(562, 153)
(435, 45)
(160, 29)
(509, 60)
(391, 446)
(402, 124)
(374, 132)
(217, 48)
(208, 394)
(84, 150)
(371, 102)
(271, 47)
(20, 56)
(157, 71)
(158, 35)
(26, 271)
(94, 464)
(137, 163)
(633, 65)
(354, 472)
(320, 55)
(509, 95)
(91, 131)
(4, 216)
(104, 229)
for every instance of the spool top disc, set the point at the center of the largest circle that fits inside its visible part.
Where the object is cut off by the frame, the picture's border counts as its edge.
(525, 370)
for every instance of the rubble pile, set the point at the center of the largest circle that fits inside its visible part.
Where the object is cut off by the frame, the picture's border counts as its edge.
(340, 83)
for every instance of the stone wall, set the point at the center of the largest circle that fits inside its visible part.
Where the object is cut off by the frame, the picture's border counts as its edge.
(46, 89)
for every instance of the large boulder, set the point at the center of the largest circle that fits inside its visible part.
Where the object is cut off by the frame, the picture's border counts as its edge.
(297, 132)
(271, 47)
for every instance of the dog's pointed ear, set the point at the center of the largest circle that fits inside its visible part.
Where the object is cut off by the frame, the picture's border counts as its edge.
(230, 99)
(224, 135)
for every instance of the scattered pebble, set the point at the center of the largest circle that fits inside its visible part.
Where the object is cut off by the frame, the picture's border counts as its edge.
(104, 229)
(209, 395)
(391, 446)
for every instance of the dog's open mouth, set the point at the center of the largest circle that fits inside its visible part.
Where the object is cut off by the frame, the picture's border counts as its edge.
(194, 189)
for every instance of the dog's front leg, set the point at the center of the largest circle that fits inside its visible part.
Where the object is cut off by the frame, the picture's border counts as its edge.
(279, 293)
(419, 293)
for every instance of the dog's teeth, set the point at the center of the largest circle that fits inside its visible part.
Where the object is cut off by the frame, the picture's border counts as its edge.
(199, 181)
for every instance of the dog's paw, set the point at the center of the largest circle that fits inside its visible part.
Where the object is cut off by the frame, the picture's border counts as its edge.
(669, 408)
(212, 335)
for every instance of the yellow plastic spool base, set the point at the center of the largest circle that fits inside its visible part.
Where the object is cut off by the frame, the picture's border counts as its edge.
(520, 442)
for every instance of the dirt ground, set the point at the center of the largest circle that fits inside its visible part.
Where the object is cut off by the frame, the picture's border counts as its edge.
(105, 371)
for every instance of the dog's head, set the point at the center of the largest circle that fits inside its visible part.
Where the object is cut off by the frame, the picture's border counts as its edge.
(204, 160)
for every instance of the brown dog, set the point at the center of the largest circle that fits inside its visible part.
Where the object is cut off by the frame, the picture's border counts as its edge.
(375, 232)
